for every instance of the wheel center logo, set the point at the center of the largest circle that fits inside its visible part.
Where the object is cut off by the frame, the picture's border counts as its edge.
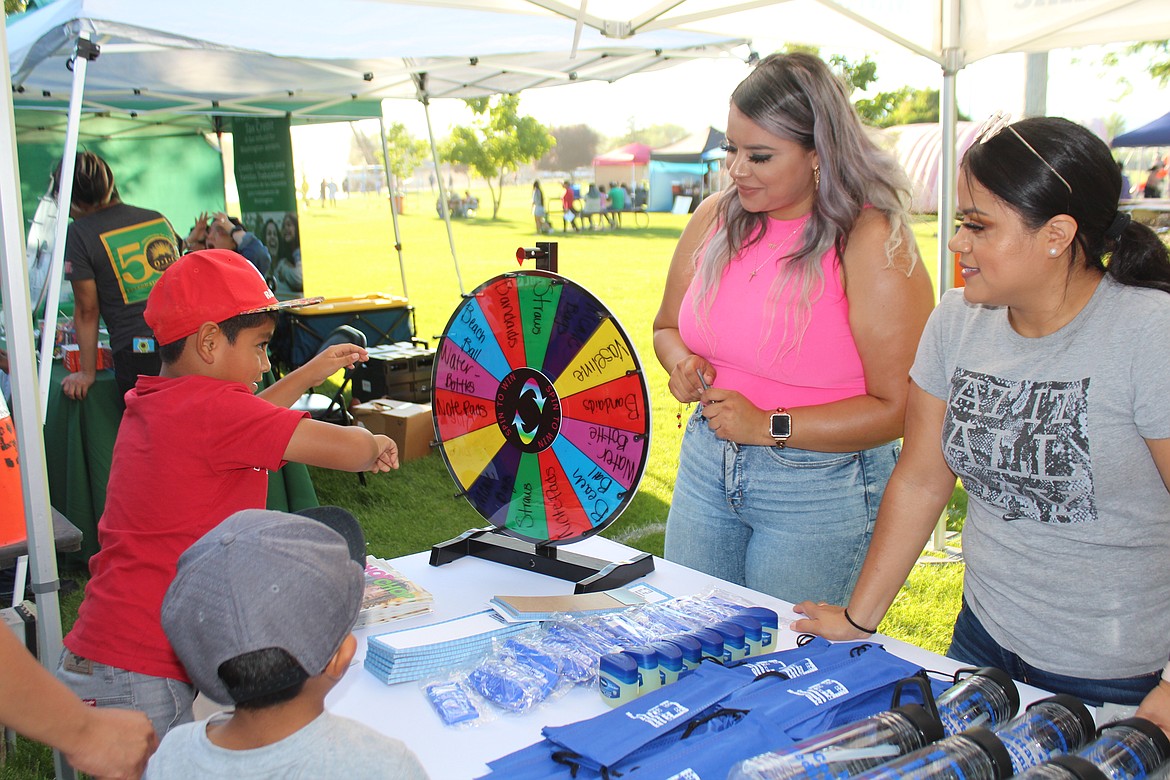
(528, 410)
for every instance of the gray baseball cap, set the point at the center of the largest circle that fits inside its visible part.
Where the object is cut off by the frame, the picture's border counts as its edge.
(264, 579)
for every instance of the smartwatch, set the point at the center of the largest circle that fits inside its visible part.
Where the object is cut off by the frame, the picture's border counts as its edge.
(781, 427)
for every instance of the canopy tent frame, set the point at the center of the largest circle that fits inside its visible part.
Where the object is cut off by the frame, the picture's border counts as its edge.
(457, 77)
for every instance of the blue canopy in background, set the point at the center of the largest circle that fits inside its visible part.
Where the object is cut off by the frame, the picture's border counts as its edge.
(1156, 133)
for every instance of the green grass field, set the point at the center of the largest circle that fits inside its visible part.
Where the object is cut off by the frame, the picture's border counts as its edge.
(349, 250)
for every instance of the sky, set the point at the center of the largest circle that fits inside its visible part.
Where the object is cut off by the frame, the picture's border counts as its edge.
(695, 94)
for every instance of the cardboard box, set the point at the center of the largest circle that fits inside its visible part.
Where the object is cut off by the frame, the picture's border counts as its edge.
(410, 425)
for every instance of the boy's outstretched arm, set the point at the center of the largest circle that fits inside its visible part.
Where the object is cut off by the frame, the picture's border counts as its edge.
(323, 365)
(341, 447)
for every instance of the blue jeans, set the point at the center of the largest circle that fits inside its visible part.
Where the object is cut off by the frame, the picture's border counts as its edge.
(971, 644)
(166, 702)
(792, 523)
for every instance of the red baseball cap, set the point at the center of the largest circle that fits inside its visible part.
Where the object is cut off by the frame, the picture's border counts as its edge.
(211, 285)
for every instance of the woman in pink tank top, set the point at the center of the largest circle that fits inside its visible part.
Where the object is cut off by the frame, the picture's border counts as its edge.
(792, 310)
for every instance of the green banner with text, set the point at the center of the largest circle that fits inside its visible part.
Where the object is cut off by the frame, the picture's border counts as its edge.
(268, 198)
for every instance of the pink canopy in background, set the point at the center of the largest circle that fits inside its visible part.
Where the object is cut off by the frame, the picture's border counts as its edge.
(626, 164)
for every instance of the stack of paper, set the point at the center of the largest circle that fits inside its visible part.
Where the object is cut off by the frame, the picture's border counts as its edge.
(425, 651)
(389, 595)
(530, 608)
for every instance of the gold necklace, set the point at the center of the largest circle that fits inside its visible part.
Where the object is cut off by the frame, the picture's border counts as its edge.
(776, 254)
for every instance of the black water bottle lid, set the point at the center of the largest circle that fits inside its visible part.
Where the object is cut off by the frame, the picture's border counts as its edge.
(1079, 768)
(993, 747)
(1003, 680)
(1077, 708)
(1154, 732)
(929, 726)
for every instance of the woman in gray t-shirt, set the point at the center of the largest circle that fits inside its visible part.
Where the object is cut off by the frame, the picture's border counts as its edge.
(1042, 386)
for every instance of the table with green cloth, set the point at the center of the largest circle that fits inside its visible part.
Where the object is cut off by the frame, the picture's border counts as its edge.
(79, 447)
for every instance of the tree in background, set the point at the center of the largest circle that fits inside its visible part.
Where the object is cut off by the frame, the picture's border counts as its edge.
(654, 136)
(903, 106)
(498, 143)
(1158, 68)
(575, 147)
(406, 151)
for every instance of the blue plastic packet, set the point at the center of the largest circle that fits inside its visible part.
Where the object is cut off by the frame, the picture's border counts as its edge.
(452, 702)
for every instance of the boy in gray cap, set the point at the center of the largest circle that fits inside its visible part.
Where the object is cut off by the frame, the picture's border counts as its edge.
(260, 614)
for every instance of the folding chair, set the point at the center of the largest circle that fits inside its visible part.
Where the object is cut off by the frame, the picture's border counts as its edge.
(333, 408)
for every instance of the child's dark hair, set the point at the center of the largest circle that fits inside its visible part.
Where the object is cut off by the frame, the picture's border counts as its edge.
(262, 678)
(170, 353)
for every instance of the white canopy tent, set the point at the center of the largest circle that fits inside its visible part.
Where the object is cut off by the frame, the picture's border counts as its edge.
(950, 33)
(140, 67)
(319, 62)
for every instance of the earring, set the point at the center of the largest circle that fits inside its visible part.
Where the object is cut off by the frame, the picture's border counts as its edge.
(1052, 251)
(817, 176)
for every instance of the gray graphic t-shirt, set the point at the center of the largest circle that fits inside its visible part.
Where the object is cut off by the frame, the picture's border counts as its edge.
(1067, 539)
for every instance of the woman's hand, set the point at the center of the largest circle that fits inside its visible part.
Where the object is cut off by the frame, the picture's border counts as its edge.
(684, 379)
(732, 417)
(825, 620)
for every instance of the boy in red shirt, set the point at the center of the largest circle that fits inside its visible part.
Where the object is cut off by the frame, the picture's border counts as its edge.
(195, 445)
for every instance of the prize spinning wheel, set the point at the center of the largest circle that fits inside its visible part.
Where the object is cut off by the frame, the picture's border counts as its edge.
(540, 408)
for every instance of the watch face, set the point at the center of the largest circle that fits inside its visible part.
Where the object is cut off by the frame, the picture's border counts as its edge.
(781, 426)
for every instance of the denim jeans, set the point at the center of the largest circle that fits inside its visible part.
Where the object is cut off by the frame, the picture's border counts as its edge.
(792, 523)
(166, 702)
(971, 644)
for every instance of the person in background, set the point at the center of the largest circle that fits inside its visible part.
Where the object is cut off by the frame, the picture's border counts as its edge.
(202, 437)
(792, 309)
(1042, 385)
(569, 213)
(219, 231)
(271, 232)
(617, 203)
(1126, 187)
(114, 254)
(112, 743)
(592, 210)
(286, 276)
(1153, 187)
(539, 213)
(260, 613)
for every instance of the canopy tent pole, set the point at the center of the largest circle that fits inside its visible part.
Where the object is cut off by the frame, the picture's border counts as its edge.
(84, 52)
(26, 415)
(420, 80)
(948, 168)
(393, 208)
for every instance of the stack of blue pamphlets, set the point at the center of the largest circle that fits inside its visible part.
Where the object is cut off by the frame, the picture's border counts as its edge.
(425, 651)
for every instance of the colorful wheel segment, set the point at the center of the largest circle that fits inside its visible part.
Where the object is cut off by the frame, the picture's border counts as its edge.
(540, 407)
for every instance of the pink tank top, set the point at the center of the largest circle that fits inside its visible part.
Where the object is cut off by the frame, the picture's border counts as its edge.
(758, 356)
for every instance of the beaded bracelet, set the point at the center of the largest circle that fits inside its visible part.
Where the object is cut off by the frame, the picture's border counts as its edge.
(853, 623)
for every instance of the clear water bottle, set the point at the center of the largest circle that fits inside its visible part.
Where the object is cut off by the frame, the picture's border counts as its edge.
(976, 754)
(847, 750)
(1129, 749)
(1046, 729)
(1069, 767)
(987, 697)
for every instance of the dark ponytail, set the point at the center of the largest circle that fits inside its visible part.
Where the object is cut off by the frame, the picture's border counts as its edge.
(1019, 176)
(1139, 258)
(93, 181)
